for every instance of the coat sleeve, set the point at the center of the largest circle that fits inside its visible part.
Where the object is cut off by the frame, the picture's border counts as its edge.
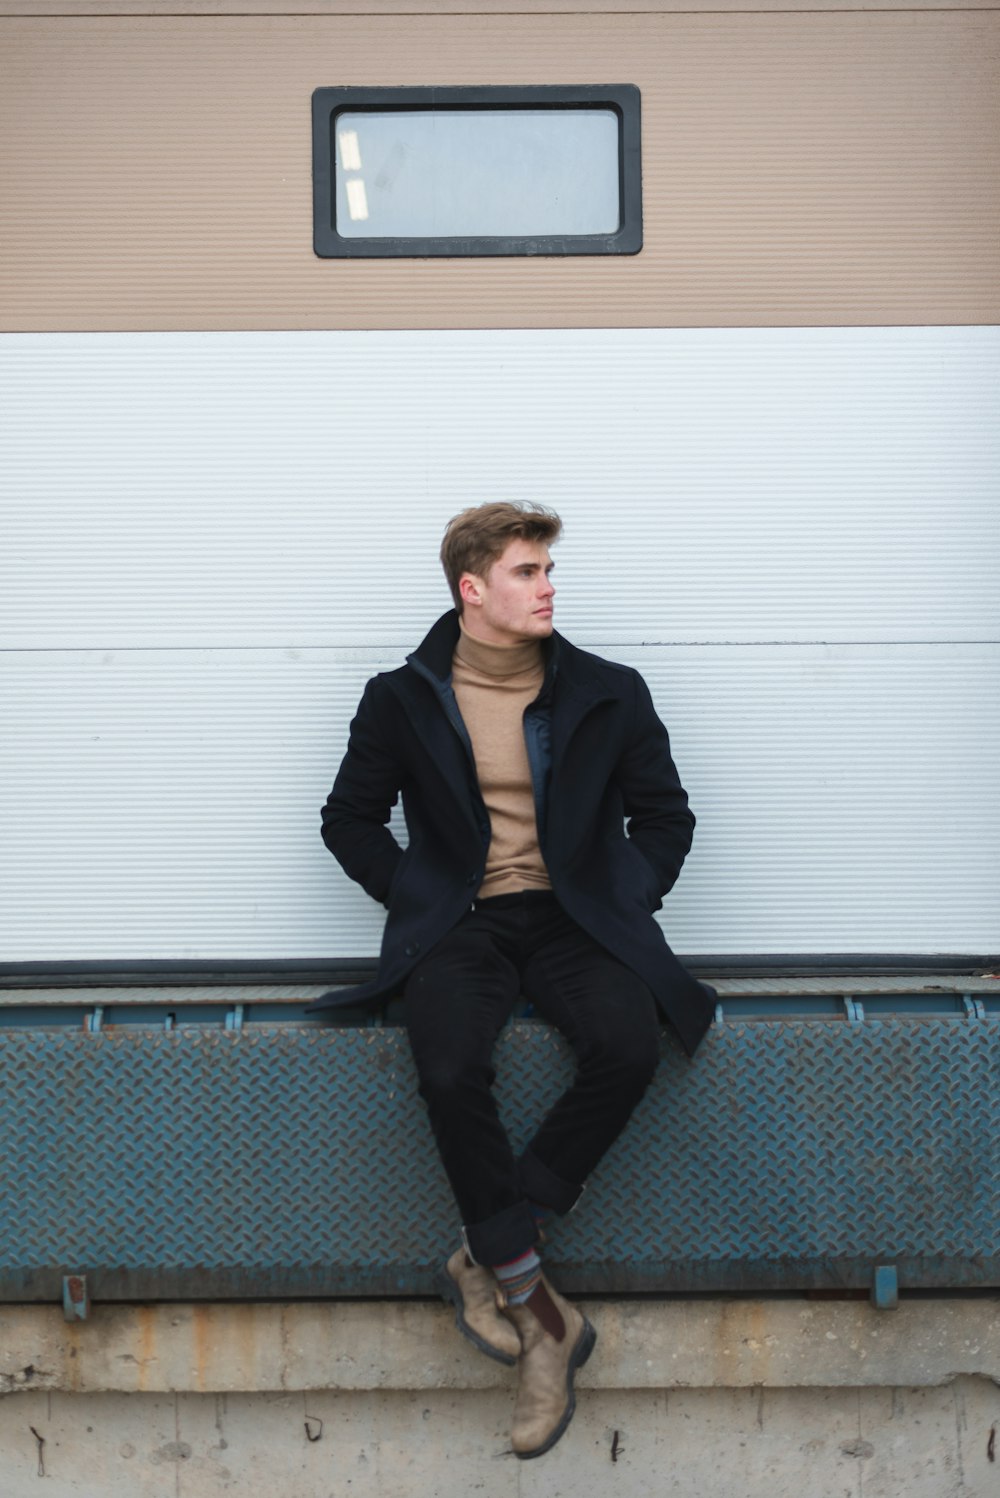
(359, 806)
(660, 823)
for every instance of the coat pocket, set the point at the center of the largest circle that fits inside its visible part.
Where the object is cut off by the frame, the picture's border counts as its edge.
(646, 875)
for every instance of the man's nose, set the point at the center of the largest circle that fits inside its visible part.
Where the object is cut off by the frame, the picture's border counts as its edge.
(548, 587)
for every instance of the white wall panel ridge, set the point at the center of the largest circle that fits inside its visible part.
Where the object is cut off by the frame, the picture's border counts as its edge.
(211, 540)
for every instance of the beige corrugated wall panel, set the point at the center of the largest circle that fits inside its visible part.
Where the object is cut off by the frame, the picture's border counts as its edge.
(449, 7)
(810, 168)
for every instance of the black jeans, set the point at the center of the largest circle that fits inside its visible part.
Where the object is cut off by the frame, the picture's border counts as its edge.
(457, 1000)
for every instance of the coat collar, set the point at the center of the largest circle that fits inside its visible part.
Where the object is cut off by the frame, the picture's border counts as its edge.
(436, 649)
(582, 682)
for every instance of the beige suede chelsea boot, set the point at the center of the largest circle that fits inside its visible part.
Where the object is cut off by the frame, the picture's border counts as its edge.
(473, 1290)
(556, 1340)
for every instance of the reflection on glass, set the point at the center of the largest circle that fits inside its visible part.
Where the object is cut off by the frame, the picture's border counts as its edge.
(350, 156)
(357, 200)
(478, 172)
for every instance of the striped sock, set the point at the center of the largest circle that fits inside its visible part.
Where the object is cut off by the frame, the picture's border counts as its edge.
(519, 1277)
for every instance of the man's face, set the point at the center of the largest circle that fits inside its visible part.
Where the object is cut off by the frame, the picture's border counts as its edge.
(513, 602)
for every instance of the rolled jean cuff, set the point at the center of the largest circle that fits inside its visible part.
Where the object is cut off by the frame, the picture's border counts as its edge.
(505, 1236)
(542, 1185)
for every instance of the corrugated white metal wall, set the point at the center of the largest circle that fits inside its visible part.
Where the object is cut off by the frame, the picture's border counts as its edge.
(211, 540)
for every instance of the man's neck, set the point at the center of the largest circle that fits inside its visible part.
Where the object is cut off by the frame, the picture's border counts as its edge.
(497, 660)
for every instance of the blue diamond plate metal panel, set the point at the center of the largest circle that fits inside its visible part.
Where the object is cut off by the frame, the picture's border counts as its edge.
(296, 1161)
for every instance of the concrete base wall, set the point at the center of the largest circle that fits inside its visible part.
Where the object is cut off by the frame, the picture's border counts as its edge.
(700, 1443)
(709, 1399)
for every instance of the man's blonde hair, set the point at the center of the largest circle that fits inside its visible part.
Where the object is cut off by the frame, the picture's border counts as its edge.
(478, 537)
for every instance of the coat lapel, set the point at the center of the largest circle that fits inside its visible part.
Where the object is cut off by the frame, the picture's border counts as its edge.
(573, 701)
(429, 720)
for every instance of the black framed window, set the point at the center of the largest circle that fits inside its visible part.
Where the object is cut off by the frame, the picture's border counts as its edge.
(477, 171)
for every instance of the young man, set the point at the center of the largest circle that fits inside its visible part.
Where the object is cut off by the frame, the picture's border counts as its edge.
(546, 822)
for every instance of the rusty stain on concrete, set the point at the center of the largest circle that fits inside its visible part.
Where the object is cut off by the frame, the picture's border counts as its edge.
(75, 1372)
(145, 1345)
(201, 1338)
(212, 1347)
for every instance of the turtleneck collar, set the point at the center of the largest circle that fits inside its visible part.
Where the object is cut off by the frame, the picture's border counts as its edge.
(497, 660)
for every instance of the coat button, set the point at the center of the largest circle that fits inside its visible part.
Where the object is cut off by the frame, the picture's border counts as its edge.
(413, 949)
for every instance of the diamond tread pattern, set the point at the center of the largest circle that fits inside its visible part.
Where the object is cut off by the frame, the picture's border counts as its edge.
(202, 1163)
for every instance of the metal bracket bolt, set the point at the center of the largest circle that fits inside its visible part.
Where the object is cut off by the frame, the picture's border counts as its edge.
(76, 1298)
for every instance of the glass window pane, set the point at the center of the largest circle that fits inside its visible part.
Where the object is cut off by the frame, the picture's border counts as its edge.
(482, 172)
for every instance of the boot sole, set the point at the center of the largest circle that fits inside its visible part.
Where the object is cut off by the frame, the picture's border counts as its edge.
(450, 1292)
(581, 1352)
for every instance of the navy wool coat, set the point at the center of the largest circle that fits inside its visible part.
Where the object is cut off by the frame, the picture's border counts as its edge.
(613, 818)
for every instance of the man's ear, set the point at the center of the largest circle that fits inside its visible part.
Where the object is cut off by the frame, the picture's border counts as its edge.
(470, 589)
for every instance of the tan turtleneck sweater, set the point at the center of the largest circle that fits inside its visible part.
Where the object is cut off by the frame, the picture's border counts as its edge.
(493, 685)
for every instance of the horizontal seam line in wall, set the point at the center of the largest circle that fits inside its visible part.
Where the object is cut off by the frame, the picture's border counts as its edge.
(120, 330)
(408, 647)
